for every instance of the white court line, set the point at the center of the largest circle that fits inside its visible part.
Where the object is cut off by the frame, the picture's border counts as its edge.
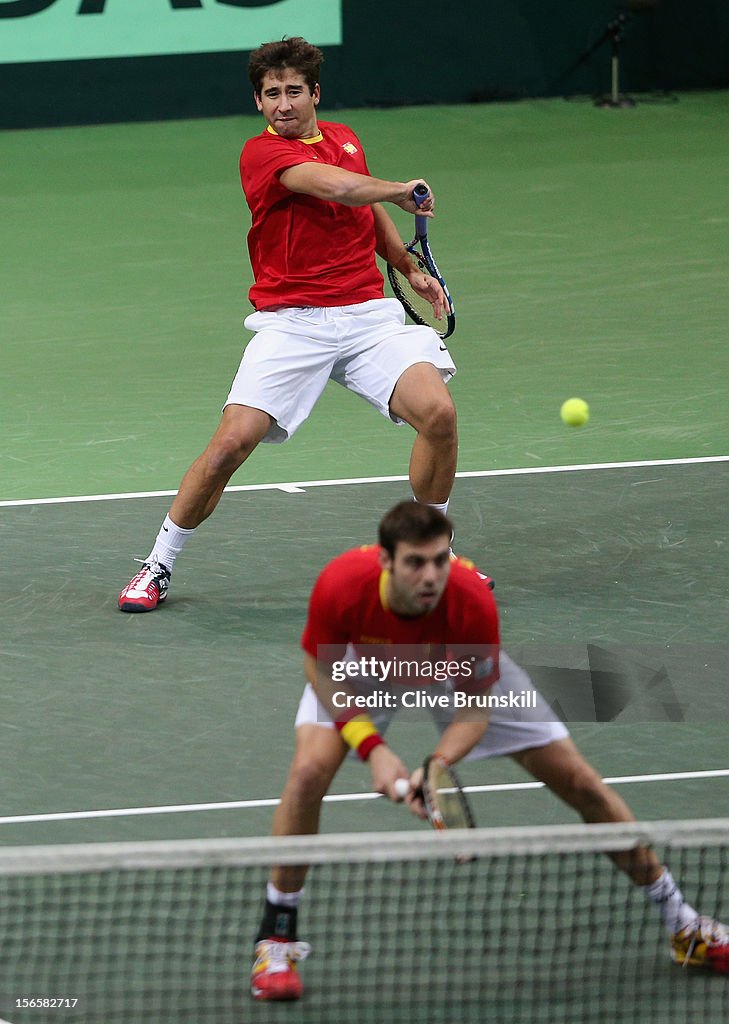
(230, 805)
(297, 486)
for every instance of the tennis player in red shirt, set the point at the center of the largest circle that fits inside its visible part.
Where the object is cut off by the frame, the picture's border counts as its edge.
(409, 595)
(320, 313)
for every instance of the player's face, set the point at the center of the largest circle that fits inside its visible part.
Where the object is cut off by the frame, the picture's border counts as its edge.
(288, 104)
(418, 575)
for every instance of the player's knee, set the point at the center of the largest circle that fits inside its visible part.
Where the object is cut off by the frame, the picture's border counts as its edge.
(439, 422)
(227, 451)
(309, 780)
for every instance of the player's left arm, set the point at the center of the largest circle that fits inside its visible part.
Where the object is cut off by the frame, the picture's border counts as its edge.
(462, 734)
(388, 243)
(458, 739)
(391, 248)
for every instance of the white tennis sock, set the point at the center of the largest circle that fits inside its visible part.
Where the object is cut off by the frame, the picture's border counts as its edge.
(170, 541)
(282, 899)
(439, 506)
(675, 912)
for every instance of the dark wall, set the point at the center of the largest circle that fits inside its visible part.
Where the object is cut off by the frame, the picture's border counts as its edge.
(476, 51)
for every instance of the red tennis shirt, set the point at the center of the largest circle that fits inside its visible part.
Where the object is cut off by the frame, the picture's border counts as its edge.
(348, 605)
(306, 251)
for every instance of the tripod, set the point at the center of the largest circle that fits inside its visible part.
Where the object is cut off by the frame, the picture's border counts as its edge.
(614, 32)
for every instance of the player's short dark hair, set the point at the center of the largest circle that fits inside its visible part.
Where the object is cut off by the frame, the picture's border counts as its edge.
(414, 523)
(294, 53)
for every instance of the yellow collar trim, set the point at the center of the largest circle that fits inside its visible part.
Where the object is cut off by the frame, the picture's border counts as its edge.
(307, 142)
(384, 584)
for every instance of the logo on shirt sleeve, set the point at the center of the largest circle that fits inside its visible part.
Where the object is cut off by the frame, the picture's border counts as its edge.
(349, 147)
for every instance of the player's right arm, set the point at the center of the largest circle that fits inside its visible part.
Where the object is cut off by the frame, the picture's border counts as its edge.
(331, 624)
(386, 768)
(337, 185)
(356, 728)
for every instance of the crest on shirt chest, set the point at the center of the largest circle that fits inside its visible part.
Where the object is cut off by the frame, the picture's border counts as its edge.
(418, 651)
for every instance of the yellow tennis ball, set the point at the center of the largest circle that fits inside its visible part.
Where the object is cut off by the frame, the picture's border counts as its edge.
(575, 412)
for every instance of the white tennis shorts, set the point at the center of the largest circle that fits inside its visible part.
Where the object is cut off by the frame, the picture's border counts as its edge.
(510, 729)
(365, 347)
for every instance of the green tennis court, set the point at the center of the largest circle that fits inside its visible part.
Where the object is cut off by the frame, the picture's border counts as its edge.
(587, 252)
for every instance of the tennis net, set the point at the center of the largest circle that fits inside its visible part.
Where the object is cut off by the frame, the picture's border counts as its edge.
(538, 926)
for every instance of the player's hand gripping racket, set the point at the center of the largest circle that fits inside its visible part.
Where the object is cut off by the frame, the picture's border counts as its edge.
(445, 802)
(417, 306)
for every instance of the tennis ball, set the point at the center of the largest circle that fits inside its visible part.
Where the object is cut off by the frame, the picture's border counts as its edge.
(575, 412)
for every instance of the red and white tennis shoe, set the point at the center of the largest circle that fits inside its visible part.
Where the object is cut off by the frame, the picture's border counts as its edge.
(705, 943)
(275, 973)
(147, 589)
(481, 575)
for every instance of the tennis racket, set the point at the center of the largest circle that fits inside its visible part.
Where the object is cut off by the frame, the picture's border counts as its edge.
(445, 802)
(416, 306)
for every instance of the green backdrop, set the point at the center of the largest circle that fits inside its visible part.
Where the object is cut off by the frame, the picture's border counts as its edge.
(470, 52)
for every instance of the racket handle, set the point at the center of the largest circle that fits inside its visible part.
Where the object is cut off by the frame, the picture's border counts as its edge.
(420, 194)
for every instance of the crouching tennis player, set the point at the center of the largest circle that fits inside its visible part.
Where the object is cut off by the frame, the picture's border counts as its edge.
(410, 593)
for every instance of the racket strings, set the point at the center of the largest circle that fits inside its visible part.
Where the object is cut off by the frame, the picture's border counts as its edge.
(446, 799)
(416, 305)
